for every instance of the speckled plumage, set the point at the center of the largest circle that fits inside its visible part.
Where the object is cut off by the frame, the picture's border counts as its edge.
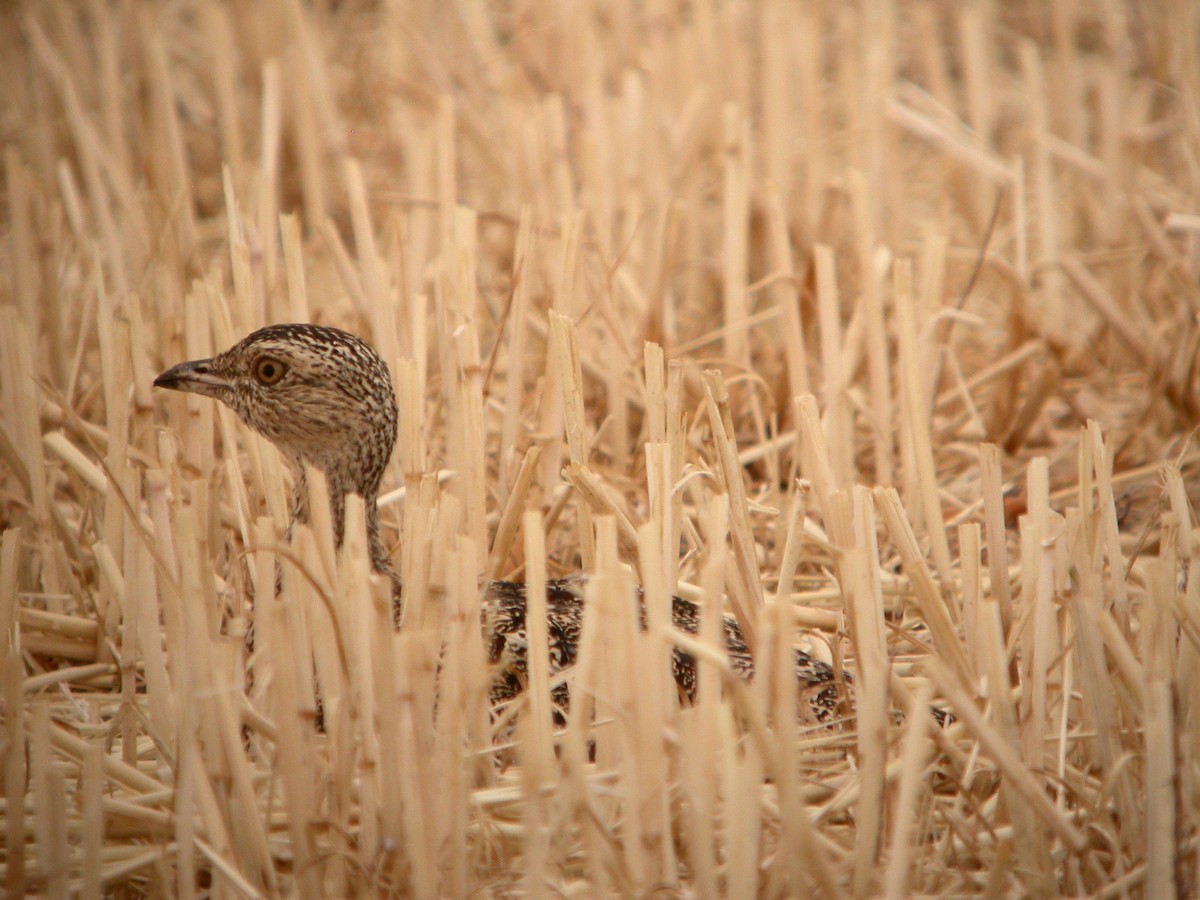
(507, 645)
(330, 405)
(324, 397)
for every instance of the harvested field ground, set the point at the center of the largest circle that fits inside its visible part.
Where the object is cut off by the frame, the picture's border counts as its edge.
(874, 324)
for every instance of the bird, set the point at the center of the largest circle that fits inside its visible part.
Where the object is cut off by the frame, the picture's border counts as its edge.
(324, 398)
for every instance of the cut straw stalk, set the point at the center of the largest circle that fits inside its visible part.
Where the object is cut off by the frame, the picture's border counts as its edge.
(15, 760)
(878, 364)
(916, 420)
(535, 739)
(565, 361)
(747, 601)
(914, 758)
(938, 615)
(736, 202)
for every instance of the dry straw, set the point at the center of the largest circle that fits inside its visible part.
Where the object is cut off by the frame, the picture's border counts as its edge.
(873, 325)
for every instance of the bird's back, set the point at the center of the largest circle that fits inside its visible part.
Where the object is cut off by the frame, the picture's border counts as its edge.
(505, 622)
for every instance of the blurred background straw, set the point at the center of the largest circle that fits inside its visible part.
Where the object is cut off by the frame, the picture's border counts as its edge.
(875, 324)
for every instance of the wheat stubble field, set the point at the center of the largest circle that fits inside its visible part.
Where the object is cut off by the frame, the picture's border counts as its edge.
(873, 324)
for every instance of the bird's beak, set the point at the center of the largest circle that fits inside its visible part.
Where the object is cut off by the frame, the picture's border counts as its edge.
(195, 377)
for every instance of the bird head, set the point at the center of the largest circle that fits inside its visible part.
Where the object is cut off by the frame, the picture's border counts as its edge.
(321, 395)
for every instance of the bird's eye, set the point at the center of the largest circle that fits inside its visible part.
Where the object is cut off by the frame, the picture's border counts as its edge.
(268, 371)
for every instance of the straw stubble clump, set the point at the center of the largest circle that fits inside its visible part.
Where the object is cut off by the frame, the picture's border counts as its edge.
(873, 328)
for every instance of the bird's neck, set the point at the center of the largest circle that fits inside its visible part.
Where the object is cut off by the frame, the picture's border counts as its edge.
(337, 514)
